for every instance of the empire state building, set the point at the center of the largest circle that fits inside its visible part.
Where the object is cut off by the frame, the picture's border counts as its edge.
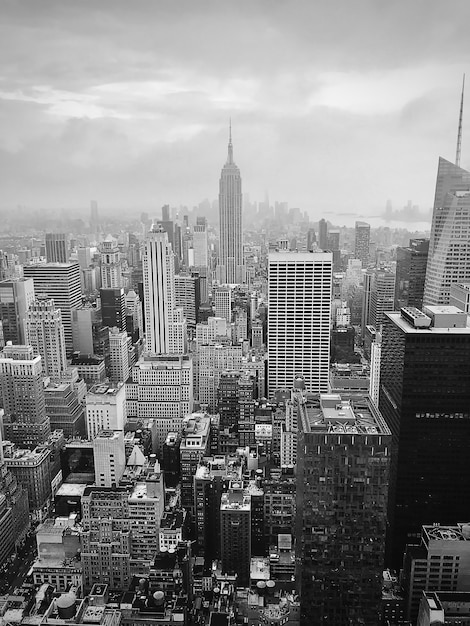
(230, 269)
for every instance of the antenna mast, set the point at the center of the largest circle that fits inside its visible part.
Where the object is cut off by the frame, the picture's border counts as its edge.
(459, 134)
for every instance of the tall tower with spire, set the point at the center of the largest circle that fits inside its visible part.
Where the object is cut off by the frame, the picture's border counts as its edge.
(230, 268)
(449, 246)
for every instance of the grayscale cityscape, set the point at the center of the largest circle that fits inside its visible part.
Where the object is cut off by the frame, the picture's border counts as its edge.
(234, 353)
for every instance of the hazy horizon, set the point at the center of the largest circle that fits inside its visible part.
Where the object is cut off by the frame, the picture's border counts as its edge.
(335, 108)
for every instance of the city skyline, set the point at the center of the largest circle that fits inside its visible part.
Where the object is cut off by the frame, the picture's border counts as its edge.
(235, 387)
(143, 124)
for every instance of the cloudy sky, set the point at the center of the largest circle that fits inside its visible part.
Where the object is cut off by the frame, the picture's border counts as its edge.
(336, 106)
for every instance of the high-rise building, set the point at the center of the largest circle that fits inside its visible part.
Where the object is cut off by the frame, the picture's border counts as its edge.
(382, 295)
(14, 510)
(299, 288)
(425, 397)
(109, 457)
(245, 423)
(105, 408)
(111, 266)
(366, 300)
(449, 252)
(223, 303)
(187, 298)
(119, 347)
(311, 239)
(235, 532)
(7, 540)
(134, 315)
(84, 257)
(229, 411)
(213, 359)
(106, 537)
(322, 234)
(60, 281)
(32, 469)
(25, 420)
(15, 298)
(166, 212)
(333, 240)
(362, 242)
(4, 266)
(231, 265)
(113, 308)
(211, 479)
(94, 216)
(161, 388)
(343, 457)
(410, 274)
(200, 245)
(440, 561)
(165, 327)
(45, 333)
(56, 248)
(194, 446)
(201, 273)
(64, 409)
(89, 334)
(169, 227)
(375, 357)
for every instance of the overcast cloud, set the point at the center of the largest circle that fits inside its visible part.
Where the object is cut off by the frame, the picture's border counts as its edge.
(335, 106)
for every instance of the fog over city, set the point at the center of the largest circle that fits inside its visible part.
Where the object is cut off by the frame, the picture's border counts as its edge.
(336, 107)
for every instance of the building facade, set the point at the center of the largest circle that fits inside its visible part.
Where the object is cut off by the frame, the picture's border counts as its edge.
(15, 298)
(424, 397)
(161, 389)
(411, 273)
(105, 408)
(342, 484)
(61, 282)
(165, 327)
(111, 265)
(25, 421)
(449, 250)
(56, 248)
(362, 242)
(45, 333)
(299, 293)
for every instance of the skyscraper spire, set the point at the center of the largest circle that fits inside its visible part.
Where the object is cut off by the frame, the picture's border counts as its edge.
(459, 133)
(230, 147)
